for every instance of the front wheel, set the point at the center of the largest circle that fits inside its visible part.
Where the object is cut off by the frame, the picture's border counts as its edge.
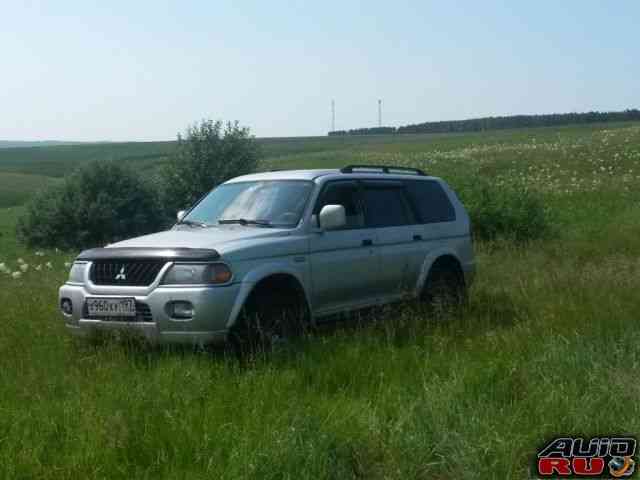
(268, 320)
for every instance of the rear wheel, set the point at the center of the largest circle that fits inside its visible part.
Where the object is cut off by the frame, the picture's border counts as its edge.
(444, 290)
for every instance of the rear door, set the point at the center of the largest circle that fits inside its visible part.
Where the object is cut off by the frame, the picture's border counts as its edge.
(389, 213)
(344, 268)
(435, 215)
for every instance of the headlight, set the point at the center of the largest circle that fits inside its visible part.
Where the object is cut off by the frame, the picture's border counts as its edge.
(76, 274)
(194, 274)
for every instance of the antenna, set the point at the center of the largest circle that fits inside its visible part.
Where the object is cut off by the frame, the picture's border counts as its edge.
(379, 112)
(333, 115)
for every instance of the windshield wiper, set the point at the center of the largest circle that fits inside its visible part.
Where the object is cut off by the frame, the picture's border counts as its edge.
(191, 223)
(244, 221)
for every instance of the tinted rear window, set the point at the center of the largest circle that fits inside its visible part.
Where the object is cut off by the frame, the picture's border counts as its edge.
(430, 200)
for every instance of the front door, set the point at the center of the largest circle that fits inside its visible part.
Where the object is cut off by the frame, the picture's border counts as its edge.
(344, 266)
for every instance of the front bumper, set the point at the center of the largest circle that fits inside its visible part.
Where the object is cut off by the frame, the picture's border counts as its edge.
(213, 307)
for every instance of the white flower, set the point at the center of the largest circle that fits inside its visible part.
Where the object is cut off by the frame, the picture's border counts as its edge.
(67, 264)
(38, 267)
(3, 268)
(20, 261)
(24, 267)
(48, 265)
(16, 275)
(40, 254)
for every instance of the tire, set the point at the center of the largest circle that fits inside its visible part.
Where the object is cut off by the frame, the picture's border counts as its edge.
(444, 291)
(268, 321)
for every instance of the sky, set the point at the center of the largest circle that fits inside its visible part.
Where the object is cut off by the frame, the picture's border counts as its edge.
(145, 70)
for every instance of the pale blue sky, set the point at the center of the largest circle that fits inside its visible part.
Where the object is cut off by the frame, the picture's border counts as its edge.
(82, 70)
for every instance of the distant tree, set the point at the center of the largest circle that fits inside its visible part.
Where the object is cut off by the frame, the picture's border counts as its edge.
(207, 155)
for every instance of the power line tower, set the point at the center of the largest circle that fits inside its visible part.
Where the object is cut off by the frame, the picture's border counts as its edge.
(379, 112)
(333, 115)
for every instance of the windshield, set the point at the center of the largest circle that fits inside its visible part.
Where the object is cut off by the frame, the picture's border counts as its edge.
(277, 203)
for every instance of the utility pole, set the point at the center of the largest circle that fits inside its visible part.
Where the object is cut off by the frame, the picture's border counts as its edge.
(333, 115)
(379, 112)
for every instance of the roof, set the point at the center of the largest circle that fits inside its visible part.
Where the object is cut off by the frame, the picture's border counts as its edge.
(285, 175)
(312, 174)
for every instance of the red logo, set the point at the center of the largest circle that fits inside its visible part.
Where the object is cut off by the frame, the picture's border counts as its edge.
(595, 457)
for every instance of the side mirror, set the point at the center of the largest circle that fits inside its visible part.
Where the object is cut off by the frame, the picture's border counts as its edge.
(180, 215)
(332, 217)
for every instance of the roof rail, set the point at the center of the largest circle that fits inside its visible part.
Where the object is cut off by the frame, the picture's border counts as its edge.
(382, 169)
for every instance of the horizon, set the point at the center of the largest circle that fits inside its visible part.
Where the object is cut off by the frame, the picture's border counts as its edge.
(88, 73)
(54, 142)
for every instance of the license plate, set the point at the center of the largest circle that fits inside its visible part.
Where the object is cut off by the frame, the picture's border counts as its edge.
(111, 307)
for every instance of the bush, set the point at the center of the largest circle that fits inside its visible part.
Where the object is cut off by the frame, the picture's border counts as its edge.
(207, 156)
(100, 203)
(506, 211)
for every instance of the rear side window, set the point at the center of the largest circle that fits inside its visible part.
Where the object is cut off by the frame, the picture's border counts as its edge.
(430, 201)
(385, 207)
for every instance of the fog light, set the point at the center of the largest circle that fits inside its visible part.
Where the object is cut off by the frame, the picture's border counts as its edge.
(181, 309)
(66, 306)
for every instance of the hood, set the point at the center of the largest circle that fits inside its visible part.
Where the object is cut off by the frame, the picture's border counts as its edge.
(218, 238)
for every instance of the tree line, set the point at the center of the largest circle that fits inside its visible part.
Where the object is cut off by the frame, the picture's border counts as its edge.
(498, 123)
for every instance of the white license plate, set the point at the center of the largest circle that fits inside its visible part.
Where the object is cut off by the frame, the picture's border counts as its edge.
(111, 307)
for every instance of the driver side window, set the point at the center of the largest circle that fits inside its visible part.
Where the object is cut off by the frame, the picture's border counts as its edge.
(343, 193)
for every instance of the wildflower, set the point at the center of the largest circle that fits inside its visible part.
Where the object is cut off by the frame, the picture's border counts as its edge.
(20, 261)
(24, 267)
(38, 268)
(16, 275)
(48, 265)
(3, 268)
(67, 264)
(39, 253)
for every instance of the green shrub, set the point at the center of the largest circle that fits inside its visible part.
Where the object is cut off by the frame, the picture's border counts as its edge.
(504, 211)
(207, 156)
(99, 203)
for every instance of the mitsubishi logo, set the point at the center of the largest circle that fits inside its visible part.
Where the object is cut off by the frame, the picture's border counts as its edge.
(121, 275)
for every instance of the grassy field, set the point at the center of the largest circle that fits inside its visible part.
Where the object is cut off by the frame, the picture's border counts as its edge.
(300, 152)
(549, 344)
(17, 188)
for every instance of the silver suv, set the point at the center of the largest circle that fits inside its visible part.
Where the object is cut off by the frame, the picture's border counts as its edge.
(262, 255)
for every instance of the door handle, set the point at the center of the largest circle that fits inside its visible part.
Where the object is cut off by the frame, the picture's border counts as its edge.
(367, 242)
(417, 238)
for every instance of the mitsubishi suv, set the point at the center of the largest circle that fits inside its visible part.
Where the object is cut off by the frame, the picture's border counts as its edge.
(264, 255)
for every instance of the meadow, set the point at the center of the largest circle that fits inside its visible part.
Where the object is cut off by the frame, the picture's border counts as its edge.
(548, 344)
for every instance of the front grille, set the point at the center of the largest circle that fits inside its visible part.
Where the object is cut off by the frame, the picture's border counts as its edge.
(143, 314)
(138, 273)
